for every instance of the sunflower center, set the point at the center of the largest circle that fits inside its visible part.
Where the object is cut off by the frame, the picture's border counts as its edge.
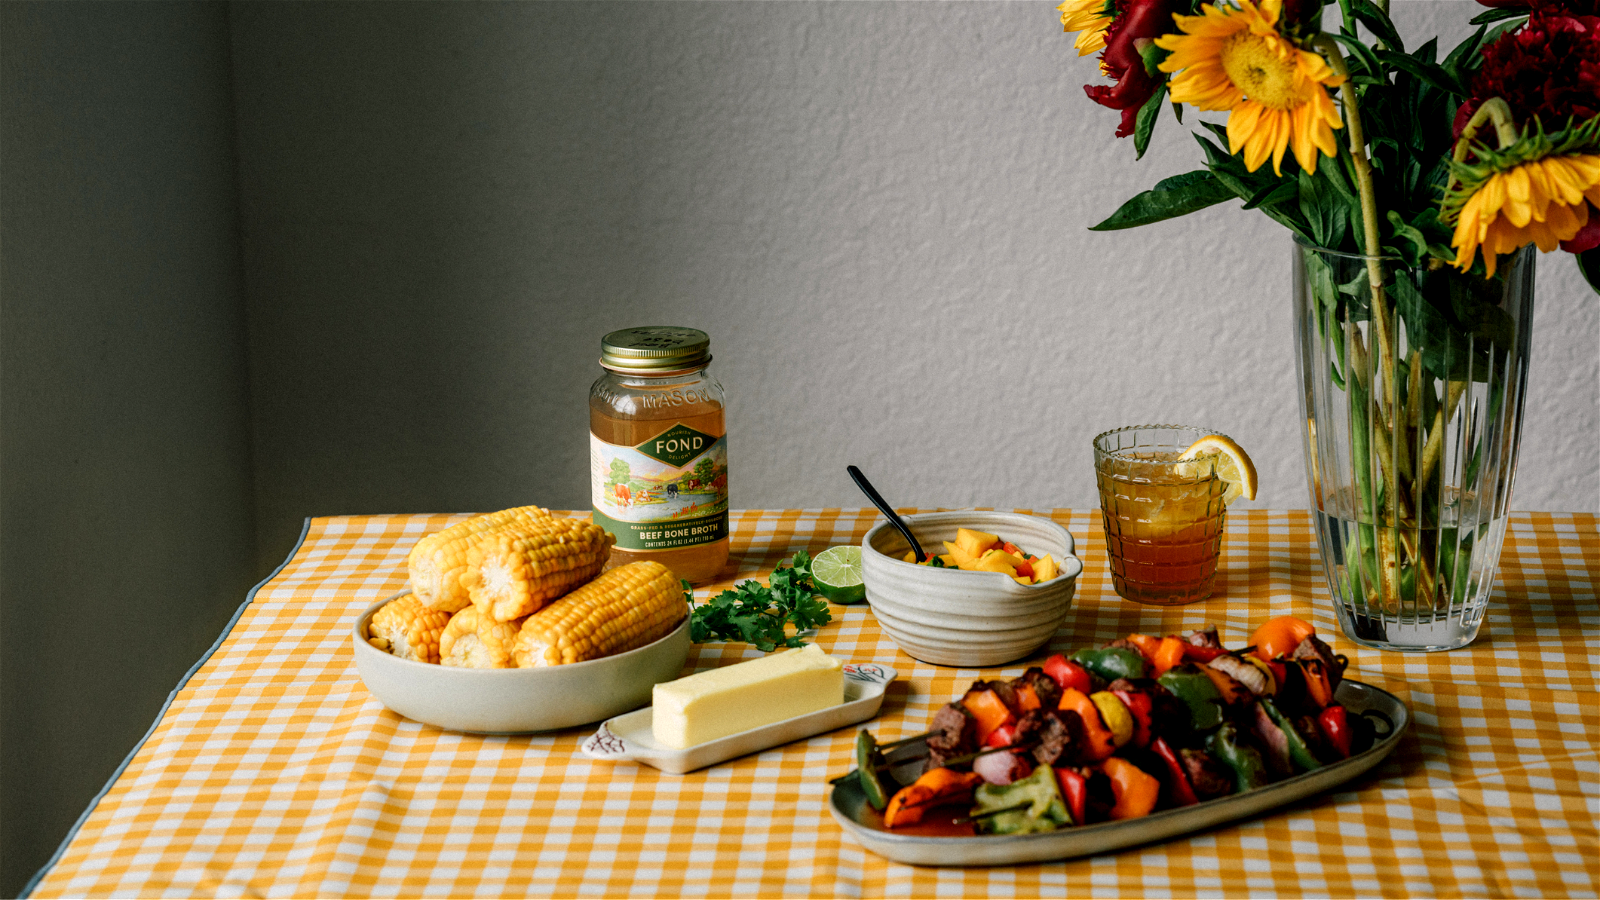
(1254, 66)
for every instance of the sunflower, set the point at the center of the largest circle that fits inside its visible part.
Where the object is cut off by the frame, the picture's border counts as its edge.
(1276, 96)
(1090, 18)
(1538, 190)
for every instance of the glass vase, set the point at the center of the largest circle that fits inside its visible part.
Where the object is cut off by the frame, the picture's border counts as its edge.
(1412, 398)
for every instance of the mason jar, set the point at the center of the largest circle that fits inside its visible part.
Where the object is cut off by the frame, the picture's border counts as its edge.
(658, 451)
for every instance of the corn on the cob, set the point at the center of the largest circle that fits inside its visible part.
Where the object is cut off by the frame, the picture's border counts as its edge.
(622, 610)
(514, 570)
(438, 560)
(472, 642)
(407, 629)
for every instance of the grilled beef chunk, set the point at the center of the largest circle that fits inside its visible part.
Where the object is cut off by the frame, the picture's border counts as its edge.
(1059, 735)
(1124, 644)
(1044, 687)
(1209, 776)
(956, 734)
(1206, 637)
(1313, 648)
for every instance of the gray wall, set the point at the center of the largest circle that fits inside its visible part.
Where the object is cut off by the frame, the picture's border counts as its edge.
(126, 528)
(878, 210)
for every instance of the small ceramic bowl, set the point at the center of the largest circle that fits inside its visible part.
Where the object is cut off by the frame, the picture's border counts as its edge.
(969, 619)
(512, 701)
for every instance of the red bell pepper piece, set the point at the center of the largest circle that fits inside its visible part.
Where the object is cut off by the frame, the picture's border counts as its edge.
(1335, 727)
(1068, 674)
(1074, 790)
(1201, 655)
(1179, 790)
(1002, 736)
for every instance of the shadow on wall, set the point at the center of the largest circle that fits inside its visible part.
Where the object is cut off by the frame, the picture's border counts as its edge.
(126, 532)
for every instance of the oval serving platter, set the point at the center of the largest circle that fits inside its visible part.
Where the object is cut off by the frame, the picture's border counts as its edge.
(849, 807)
(631, 737)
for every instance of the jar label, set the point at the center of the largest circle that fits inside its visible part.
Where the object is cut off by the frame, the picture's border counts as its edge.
(668, 492)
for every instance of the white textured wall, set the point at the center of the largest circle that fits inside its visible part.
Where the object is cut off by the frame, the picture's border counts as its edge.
(878, 211)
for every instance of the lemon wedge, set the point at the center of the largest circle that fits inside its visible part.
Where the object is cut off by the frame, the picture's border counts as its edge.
(1233, 465)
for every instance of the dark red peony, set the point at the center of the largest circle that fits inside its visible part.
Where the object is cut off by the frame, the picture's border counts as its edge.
(1136, 22)
(1549, 67)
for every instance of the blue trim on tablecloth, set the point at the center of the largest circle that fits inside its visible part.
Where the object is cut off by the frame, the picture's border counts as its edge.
(248, 599)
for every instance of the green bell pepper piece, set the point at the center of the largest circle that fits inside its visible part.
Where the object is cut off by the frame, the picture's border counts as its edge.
(1197, 691)
(1299, 752)
(1249, 772)
(867, 761)
(1111, 663)
(1046, 810)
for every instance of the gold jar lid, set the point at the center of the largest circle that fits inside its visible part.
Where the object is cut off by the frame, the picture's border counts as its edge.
(655, 350)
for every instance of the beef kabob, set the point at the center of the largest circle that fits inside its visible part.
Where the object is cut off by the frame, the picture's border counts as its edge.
(1139, 724)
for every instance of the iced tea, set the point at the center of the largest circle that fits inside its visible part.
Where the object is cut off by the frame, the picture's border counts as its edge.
(1163, 517)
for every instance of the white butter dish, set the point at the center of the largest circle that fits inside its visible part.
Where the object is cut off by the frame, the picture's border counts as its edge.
(631, 737)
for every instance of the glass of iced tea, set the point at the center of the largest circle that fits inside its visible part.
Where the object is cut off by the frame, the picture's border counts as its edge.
(1163, 517)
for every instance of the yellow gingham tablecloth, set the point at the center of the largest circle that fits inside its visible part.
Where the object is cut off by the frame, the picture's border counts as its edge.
(273, 772)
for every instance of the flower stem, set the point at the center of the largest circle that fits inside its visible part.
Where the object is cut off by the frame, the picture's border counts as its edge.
(1383, 336)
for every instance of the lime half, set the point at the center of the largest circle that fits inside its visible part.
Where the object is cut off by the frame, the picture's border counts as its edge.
(837, 574)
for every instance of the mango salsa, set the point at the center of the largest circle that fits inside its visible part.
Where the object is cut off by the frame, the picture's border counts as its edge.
(978, 551)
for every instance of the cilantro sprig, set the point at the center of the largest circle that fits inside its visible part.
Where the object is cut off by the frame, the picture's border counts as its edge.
(758, 614)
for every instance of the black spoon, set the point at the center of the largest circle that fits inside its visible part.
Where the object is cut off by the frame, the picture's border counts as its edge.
(886, 509)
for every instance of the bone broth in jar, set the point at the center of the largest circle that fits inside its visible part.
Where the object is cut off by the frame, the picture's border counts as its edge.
(658, 451)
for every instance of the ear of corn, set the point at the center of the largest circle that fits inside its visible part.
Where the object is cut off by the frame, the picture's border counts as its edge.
(514, 570)
(473, 642)
(407, 629)
(438, 560)
(621, 610)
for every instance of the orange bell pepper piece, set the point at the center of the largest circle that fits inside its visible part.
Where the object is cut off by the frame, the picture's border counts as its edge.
(1279, 636)
(1135, 789)
(1102, 743)
(936, 787)
(1026, 698)
(1168, 654)
(988, 710)
(1147, 645)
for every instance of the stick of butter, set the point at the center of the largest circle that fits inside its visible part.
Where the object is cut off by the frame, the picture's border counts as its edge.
(710, 705)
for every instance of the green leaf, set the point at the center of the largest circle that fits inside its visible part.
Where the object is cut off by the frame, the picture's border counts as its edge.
(1272, 194)
(1498, 15)
(1410, 244)
(1360, 52)
(1322, 207)
(1377, 21)
(1465, 58)
(1455, 320)
(1429, 72)
(1146, 122)
(1170, 198)
(1589, 265)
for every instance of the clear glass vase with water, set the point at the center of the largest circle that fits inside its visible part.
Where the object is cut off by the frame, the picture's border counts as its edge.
(1413, 385)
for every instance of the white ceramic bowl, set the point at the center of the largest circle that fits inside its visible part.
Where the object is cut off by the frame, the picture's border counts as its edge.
(510, 701)
(969, 619)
